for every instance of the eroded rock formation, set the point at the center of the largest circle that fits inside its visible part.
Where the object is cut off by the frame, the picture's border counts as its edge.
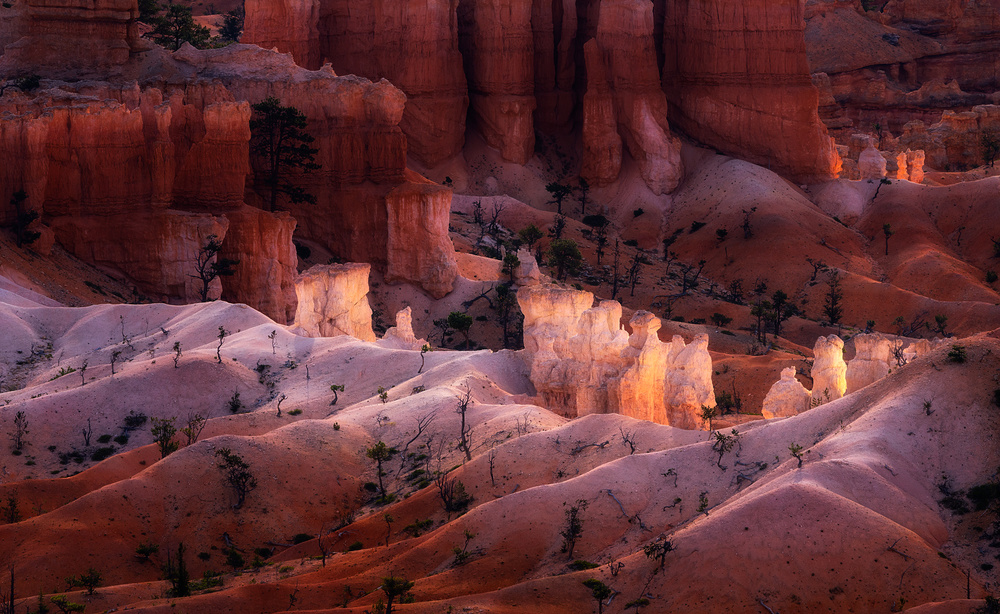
(418, 248)
(735, 73)
(497, 43)
(626, 72)
(829, 371)
(871, 164)
(412, 43)
(169, 153)
(333, 300)
(905, 62)
(81, 37)
(872, 361)
(787, 397)
(401, 335)
(582, 362)
(138, 181)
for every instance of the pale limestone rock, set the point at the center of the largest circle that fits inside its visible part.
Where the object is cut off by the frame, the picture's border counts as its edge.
(871, 164)
(582, 362)
(527, 273)
(639, 390)
(401, 335)
(333, 300)
(829, 371)
(688, 383)
(787, 397)
(589, 361)
(872, 361)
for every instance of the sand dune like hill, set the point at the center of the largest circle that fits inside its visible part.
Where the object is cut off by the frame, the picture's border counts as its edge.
(858, 527)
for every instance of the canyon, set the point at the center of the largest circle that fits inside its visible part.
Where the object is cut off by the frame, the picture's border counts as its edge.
(568, 305)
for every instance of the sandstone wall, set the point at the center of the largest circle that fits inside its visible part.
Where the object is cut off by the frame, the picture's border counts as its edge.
(179, 143)
(737, 78)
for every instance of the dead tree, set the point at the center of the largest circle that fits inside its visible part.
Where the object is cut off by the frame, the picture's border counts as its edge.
(465, 436)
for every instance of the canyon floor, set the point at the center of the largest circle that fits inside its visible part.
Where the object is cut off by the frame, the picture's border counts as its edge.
(881, 501)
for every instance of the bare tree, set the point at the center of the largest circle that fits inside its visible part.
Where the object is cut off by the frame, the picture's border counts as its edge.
(422, 423)
(628, 439)
(19, 435)
(465, 436)
(210, 267)
(193, 428)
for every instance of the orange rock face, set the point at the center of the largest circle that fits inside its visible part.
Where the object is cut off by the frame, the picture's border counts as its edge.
(554, 29)
(77, 37)
(737, 79)
(413, 44)
(625, 38)
(138, 178)
(602, 146)
(498, 46)
(908, 61)
(418, 248)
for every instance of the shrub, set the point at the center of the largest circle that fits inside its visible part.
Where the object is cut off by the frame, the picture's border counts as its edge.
(355, 546)
(234, 559)
(957, 354)
(301, 537)
(104, 438)
(580, 565)
(102, 453)
(991, 277)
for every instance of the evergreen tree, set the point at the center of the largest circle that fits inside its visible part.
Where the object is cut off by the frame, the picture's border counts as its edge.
(231, 28)
(178, 26)
(280, 145)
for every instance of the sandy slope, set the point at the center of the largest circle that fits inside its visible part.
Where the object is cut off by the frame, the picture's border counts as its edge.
(798, 540)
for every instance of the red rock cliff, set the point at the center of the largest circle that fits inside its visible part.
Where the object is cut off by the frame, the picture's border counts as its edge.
(497, 43)
(737, 79)
(412, 43)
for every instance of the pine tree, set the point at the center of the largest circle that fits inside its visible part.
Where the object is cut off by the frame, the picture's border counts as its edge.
(177, 27)
(281, 145)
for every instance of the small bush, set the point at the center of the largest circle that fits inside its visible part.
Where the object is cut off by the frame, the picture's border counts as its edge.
(696, 226)
(234, 403)
(301, 537)
(135, 420)
(102, 453)
(637, 212)
(104, 438)
(991, 277)
(295, 412)
(121, 440)
(580, 565)
(234, 559)
(211, 579)
(957, 354)
(984, 495)
(355, 546)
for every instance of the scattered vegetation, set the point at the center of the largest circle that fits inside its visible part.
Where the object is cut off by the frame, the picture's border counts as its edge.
(163, 431)
(281, 149)
(574, 526)
(237, 474)
(209, 267)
